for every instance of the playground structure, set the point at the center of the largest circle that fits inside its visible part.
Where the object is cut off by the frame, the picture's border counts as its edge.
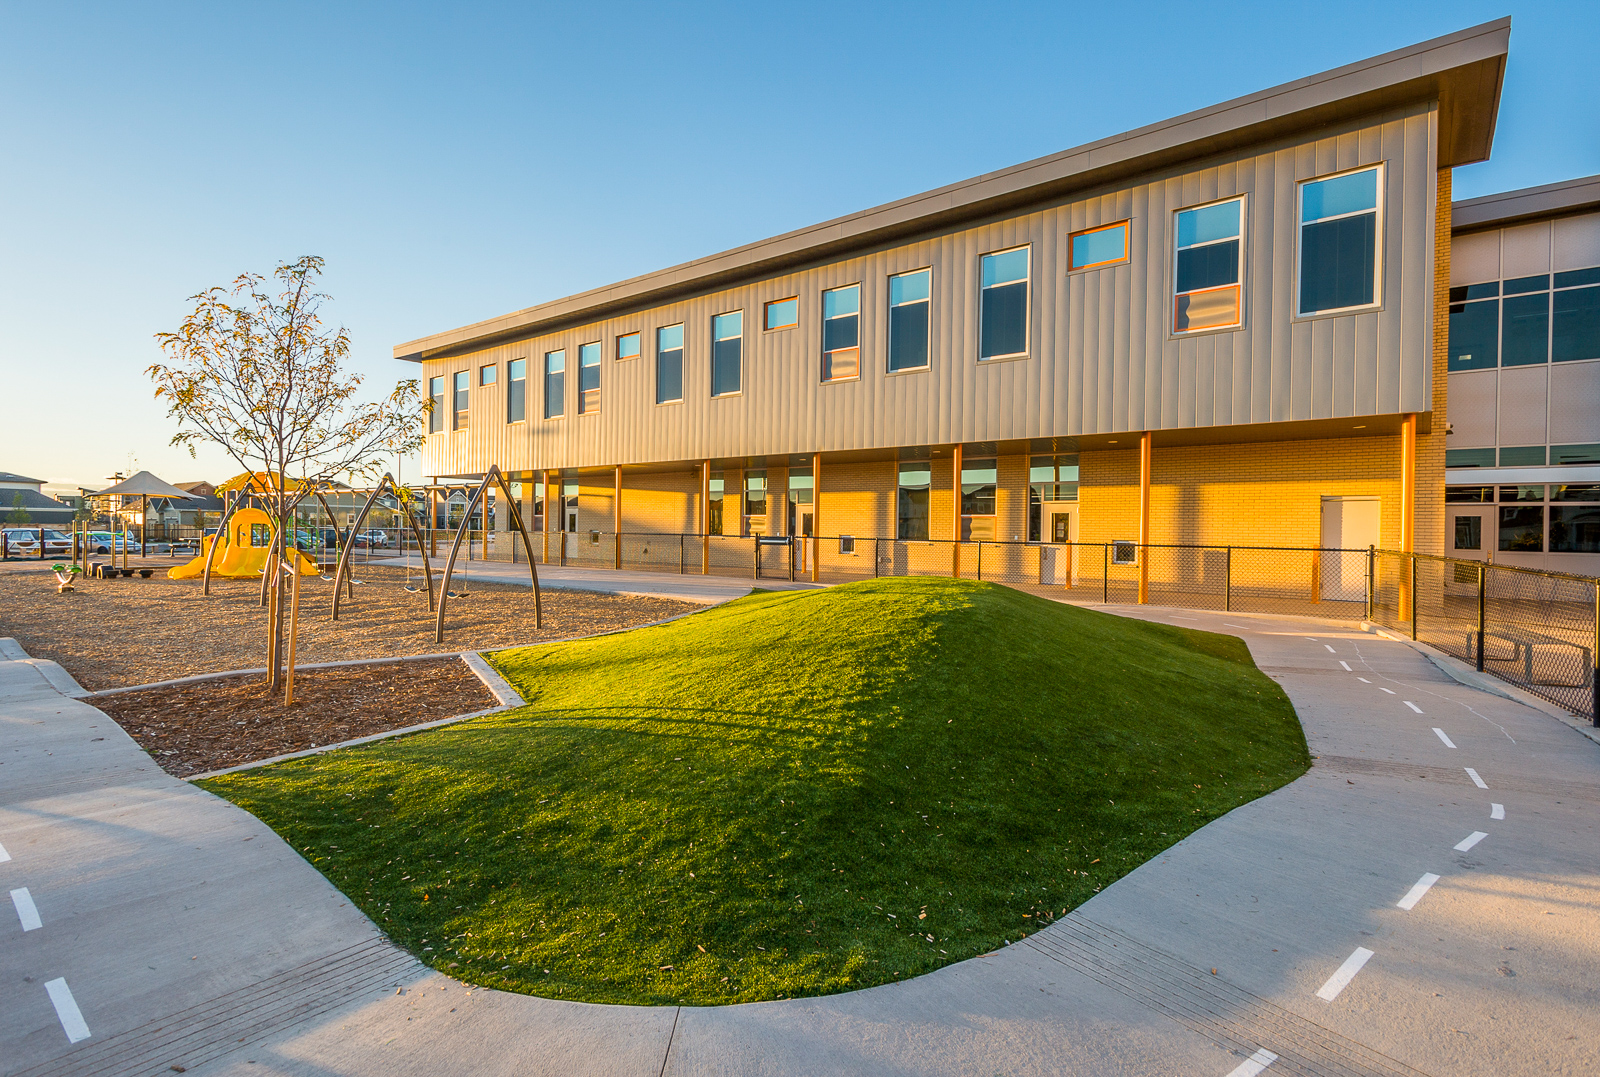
(246, 538)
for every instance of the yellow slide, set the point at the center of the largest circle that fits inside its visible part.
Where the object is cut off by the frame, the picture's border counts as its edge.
(244, 555)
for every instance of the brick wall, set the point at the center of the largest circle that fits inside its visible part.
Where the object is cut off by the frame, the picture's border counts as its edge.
(1430, 447)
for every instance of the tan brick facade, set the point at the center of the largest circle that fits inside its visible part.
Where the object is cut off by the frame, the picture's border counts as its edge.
(1430, 447)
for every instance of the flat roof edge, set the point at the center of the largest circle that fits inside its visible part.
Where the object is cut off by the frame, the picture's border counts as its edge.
(1508, 207)
(1469, 101)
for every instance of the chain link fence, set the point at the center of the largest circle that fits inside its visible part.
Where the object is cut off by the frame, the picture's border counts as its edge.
(1536, 629)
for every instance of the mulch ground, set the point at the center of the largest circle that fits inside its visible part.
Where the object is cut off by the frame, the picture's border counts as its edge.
(208, 725)
(123, 632)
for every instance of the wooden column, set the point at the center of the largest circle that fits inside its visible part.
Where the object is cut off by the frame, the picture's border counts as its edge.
(550, 500)
(1144, 516)
(816, 517)
(955, 513)
(705, 517)
(616, 514)
(1408, 510)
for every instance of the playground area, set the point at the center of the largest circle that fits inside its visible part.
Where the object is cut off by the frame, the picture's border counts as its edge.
(123, 632)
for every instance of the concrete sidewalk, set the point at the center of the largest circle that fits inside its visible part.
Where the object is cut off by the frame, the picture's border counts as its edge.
(189, 935)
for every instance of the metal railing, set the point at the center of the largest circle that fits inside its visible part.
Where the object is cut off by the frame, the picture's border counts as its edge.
(1536, 629)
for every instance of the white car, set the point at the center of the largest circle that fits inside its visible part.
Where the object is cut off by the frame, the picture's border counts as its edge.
(24, 541)
(103, 542)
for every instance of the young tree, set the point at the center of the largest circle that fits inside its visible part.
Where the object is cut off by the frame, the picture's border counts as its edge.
(256, 372)
(18, 514)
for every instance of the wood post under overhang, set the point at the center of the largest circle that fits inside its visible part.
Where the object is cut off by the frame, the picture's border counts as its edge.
(1408, 482)
(705, 518)
(816, 517)
(616, 515)
(955, 507)
(1144, 516)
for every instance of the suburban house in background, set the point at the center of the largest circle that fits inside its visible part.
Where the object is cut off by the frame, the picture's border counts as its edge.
(19, 491)
(1232, 328)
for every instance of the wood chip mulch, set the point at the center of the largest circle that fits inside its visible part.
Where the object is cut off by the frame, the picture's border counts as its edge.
(208, 725)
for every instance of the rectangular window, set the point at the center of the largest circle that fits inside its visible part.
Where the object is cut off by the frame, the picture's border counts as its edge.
(1522, 456)
(1003, 310)
(909, 303)
(1095, 248)
(755, 502)
(669, 364)
(714, 504)
(555, 384)
(1469, 493)
(516, 390)
(436, 397)
(1574, 529)
(1469, 532)
(782, 313)
(1575, 454)
(486, 374)
(1208, 285)
(1575, 318)
(1522, 493)
(588, 378)
(1469, 458)
(1050, 478)
(978, 481)
(727, 353)
(1522, 528)
(463, 392)
(1339, 242)
(1586, 491)
(800, 509)
(569, 504)
(911, 516)
(1475, 327)
(841, 333)
(1525, 322)
(627, 346)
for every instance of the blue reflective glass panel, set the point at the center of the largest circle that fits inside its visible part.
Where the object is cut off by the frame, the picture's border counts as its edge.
(1005, 267)
(1208, 223)
(1102, 245)
(841, 301)
(1342, 194)
(783, 313)
(724, 326)
(669, 338)
(908, 287)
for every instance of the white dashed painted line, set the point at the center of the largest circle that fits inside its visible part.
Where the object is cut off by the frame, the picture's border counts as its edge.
(1347, 972)
(1412, 705)
(1330, 648)
(1230, 624)
(1381, 688)
(1414, 895)
(1497, 811)
(1254, 1064)
(4, 856)
(1448, 743)
(1479, 782)
(1363, 680)
(27, 912)
(1346, 666)
(1313, 639)
(72, 1022)
(1470, 840)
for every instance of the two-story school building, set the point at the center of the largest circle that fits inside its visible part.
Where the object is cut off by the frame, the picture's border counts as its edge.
(1522, 469)
(1231, 327)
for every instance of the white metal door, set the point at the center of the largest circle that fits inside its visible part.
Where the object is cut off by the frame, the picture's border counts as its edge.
(1348, 523)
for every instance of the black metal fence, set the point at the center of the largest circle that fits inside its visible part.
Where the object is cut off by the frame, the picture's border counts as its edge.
(1536, 629)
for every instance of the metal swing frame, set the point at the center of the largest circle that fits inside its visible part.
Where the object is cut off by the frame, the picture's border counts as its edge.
(342, 573)
(493, 476)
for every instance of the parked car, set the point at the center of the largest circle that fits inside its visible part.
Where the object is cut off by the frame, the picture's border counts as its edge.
(22, 541)
(104, 542)
(372, 538)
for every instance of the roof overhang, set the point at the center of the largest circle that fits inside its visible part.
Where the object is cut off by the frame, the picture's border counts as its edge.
(1531, 203)
(1462, 71)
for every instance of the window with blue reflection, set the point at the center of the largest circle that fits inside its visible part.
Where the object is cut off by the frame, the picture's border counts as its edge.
(727, 352)
(1003, 310)
(589, 378)
(555, 383)
(909, 302)
(1339, 242)
(1097, 247)
(669, 364)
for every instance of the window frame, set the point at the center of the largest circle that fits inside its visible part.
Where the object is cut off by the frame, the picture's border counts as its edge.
(1027, 306)
(1381, 167)
(1173, 332)
(683, 365)
(1127, 246)
(888, 328)
(523, 381)
(600, 355)
(545, 385)
(769, 304)
(638, 335)
(457, 390)
(437, 412)
(712, 358)
(488, 374)
(823, 354)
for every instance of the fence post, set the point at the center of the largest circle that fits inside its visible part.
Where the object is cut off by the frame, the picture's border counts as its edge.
(1594, 652)
(791, 556)
(1482, 574)
(980, 558)
(755, 571)
(1227, 581)
(680, 555)
(1105, 574)
(1414, 602)
(1372, 578)
(877, 555)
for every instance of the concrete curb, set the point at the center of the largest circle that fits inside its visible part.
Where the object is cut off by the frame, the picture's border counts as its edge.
(498, 686)
(58, 678)
(11, 650)
(1486, 682)
(198, 677)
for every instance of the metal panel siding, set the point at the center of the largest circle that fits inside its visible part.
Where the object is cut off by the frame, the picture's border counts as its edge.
(1101, 355)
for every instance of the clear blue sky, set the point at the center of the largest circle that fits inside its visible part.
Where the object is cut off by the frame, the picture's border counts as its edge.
(455, 162)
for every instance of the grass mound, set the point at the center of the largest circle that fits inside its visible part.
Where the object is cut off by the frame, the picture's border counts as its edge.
(792, 794)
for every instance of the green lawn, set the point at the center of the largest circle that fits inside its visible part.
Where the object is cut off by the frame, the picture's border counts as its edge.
(792, 794)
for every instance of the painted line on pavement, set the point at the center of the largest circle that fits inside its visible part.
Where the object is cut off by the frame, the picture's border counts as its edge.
(1414, 895)
(4, 856)
(1363, 680)
(1330, 648)
(1412, 705)
(1381, 688)
(72, 1022)
(1230, 624)
(1448, 743)
(1346, 666)
(1347, 972)
(1497, 811)
(1470, 840)
(27, 912)
(1479, 782)
(1254, 1064)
